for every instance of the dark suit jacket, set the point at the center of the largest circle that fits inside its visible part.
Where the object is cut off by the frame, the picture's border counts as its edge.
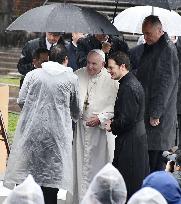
(131, 151)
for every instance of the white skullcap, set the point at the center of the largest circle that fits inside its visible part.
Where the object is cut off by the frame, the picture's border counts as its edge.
(100, 52)
(147, 195)
(27, 192)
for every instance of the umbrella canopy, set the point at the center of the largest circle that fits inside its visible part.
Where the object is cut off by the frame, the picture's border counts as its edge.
(130, 20)
(167, 4)
(62, 17)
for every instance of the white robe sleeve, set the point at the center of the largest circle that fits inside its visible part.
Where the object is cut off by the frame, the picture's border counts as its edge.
(103, 117)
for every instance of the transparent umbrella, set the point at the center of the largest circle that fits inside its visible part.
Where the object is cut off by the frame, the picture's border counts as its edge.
(130, 20)
(167, 4)
(63, 17)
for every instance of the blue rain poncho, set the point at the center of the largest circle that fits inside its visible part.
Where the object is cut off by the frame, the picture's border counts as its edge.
(166, 184)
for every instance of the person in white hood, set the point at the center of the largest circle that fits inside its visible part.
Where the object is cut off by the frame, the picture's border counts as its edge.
(107, 187)
(42, 143)
(147, 195)
(28, 192)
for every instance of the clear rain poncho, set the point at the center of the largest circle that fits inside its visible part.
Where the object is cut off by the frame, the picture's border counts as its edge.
(107, 187)
(28, 192)
(42, 143)
(147, 195)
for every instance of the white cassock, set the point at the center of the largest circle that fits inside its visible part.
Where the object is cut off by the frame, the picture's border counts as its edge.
(90, 150)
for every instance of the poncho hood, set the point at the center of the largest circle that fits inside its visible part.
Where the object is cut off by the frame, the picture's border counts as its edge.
(54, 68)
(166, 184)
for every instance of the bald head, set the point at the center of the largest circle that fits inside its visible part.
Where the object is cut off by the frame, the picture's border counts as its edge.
(152, 29)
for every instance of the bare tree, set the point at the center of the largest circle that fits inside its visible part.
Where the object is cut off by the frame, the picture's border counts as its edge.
(6, 8)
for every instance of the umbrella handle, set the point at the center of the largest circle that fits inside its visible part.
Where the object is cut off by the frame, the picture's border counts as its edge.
(115, 10)
(45, 2)
(152, 10)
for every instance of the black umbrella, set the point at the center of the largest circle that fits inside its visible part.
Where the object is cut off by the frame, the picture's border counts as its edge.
(167, 4)
(62, 17)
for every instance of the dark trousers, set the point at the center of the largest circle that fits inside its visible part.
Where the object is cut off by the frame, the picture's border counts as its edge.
(50, 195)
(156, 160)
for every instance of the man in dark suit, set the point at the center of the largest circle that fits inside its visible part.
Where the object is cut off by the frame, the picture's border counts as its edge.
(131, 151)
(46, 41)
(72, 50)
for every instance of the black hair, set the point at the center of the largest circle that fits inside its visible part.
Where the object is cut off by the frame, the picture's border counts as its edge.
(58, 54)
(154, 20)
(121, 58)
(117, 44)
(36, 54)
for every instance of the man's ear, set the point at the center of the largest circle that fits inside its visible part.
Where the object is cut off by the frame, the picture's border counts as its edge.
(103, 64)
(34, 61)
(179, 168)
(66, 60)
(123, 67)
(66, 57)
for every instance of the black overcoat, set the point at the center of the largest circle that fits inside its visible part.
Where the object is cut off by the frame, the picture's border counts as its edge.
(158, 73)
(178, 46)
(131, 150)
(72, 61)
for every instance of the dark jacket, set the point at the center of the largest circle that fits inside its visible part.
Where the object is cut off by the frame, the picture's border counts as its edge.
(135, 56)
(85, 45)
(178, 46)
(72, 61)
(177, 175)
(158, 73)
(131, 151)
(25, 62)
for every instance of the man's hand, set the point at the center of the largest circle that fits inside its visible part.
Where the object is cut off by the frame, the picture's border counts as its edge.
(106, 46)
(108, 125)
(154, 121)
(93, 121)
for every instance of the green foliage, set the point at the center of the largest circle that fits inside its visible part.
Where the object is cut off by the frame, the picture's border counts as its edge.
(9, 80)
(12, 123)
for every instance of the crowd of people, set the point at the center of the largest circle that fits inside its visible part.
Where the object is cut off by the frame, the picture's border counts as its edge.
(77, 97)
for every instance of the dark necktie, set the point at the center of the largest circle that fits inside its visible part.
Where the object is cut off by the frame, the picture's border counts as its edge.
(51, 47)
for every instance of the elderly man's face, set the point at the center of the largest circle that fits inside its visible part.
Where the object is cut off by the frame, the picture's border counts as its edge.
(52, 38)
(94, 63)
(152, 33)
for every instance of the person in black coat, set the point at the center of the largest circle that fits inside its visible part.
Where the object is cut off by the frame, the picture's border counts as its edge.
(177, 41)
(158, 73)
(135, 55)
(46, 41)
(99, 41)
(72, 50)
(131, 150)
